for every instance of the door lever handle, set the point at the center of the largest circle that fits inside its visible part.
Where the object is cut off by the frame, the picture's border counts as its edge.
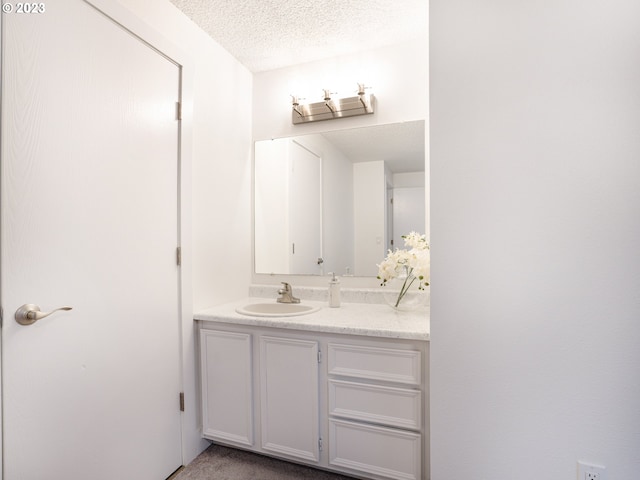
(30, 313)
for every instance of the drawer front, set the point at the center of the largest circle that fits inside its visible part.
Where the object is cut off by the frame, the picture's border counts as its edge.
(395, 407)
(385, 364)
(380, 451)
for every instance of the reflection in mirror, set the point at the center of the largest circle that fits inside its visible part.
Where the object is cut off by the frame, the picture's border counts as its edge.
(336, 201)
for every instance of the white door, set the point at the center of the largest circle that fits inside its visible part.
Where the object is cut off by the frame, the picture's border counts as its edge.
(89, 220)
(305, 211)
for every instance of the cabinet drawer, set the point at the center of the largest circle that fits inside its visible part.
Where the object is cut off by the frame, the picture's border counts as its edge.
(374, 363)
(395, 407)
(380, 451)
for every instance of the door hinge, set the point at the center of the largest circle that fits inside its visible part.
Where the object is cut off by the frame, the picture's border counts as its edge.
(182, 401)
(319, 356)
(320, 443)
(178, 111)
(178, 256)
(1, 317)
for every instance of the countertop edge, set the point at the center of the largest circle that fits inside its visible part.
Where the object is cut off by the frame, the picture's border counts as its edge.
(370, 320)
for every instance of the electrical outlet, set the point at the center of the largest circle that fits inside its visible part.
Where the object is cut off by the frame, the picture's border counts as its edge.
(587, 471)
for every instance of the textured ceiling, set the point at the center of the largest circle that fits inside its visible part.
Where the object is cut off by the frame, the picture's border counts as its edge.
(269, 34)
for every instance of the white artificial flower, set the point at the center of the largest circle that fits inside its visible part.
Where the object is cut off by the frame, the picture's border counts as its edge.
(411, 263)
(415, 240)
(420, 265)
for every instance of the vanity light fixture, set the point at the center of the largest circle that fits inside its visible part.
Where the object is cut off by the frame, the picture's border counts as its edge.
(328, 102)
(296, 105)
(331, 108)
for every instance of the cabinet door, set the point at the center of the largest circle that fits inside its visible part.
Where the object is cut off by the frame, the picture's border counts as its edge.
(227, 394)
(289, 397)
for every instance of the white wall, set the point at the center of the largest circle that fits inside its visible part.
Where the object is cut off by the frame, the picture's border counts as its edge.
(398, 76)
(271, 197)
(408, 180)
(220, 117)
(535, 304)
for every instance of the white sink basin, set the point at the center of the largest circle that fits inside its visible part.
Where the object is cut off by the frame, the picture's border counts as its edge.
(276, 309)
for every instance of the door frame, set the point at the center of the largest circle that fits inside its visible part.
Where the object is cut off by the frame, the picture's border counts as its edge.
(190, 435)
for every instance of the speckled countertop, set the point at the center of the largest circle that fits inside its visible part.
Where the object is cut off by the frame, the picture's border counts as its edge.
(368, 319)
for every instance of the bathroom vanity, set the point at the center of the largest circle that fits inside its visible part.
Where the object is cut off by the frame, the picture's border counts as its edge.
(342, 389)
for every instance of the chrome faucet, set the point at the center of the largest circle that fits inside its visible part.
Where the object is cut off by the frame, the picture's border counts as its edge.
(287, 294)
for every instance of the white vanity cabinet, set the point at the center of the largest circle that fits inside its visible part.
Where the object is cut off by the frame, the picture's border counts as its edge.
(348, 403)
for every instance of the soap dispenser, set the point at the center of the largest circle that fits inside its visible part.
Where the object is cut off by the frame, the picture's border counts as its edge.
(334, 291)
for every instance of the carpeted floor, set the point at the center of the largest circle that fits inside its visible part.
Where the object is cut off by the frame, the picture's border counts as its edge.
(222, 463)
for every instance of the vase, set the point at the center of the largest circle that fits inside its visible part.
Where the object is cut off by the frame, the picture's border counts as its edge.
(402, 293)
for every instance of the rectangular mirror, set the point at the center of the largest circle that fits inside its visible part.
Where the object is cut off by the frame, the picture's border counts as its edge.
(337, 201)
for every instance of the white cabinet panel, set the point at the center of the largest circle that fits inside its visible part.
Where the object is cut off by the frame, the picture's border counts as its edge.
(373, 363)
(272, 392)
(289, 397)
(395, 407)
(380, 451)
(227, 393)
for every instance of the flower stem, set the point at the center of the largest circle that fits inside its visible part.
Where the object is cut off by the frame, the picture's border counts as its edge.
(405, 287)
